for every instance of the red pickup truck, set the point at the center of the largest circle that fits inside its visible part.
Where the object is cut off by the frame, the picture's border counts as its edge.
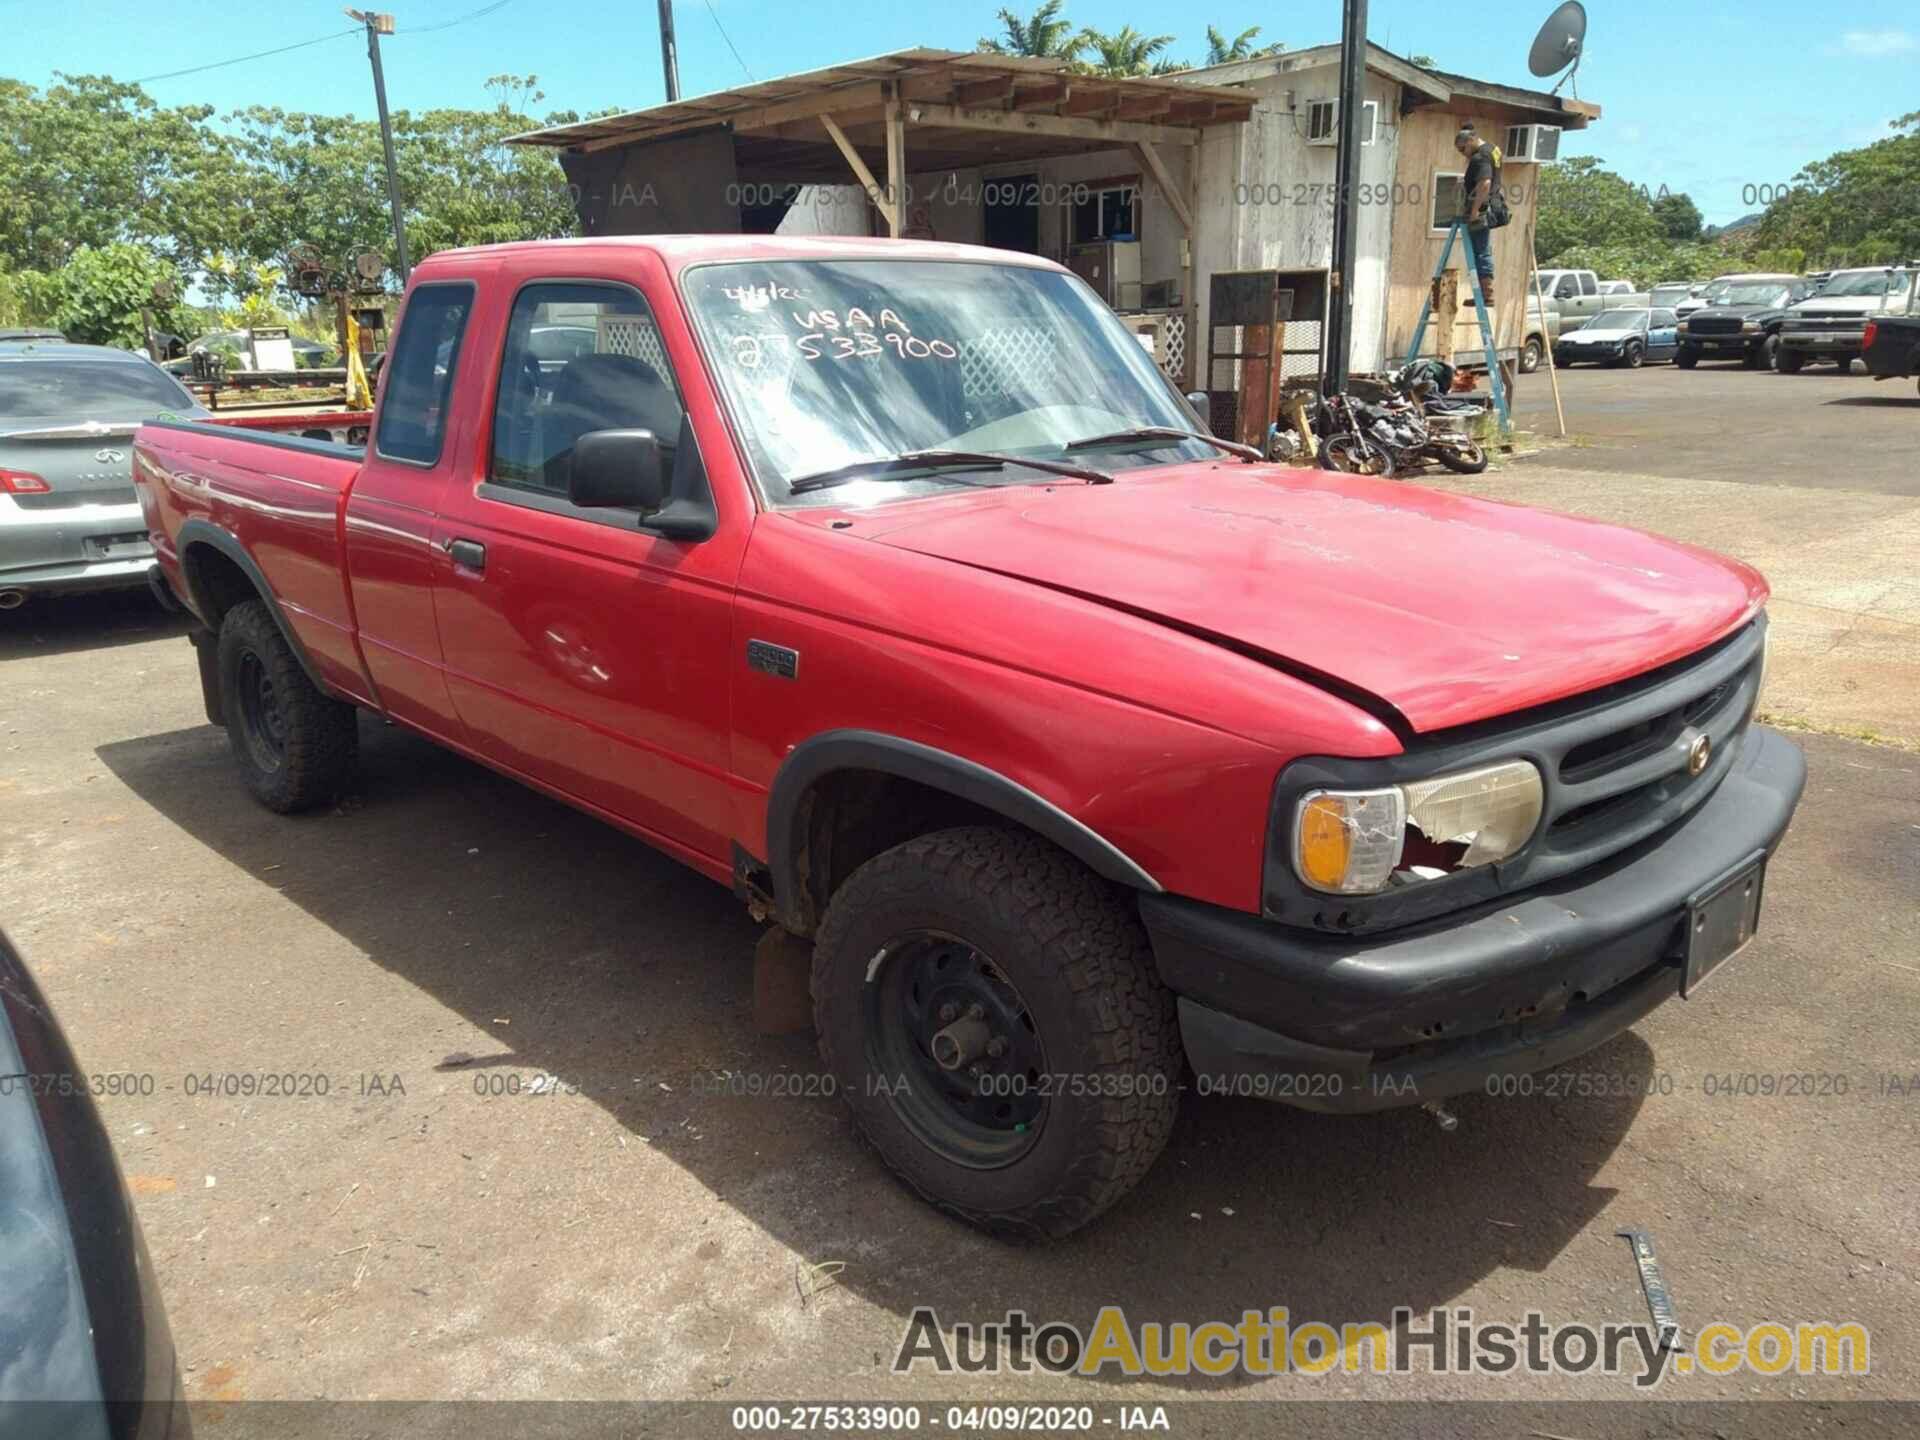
(892, 585)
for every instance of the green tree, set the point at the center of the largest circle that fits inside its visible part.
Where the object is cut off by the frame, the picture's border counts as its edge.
(99, 295)
(1126, 53)
(1046, 34)
(1858, 207)
(1221, 51)
(1582, 204)
(1679, 218)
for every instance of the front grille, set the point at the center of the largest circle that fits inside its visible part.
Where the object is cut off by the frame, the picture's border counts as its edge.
(1714, 325)
(1614, 766)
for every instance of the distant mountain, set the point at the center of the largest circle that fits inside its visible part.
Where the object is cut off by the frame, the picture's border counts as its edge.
(1745, 222)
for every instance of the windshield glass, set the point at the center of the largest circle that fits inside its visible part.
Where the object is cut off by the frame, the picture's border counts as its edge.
(829, 362)
(1670, 295)
(78, 390)
(1635, 319)
(1861, 282)
(1755, 292)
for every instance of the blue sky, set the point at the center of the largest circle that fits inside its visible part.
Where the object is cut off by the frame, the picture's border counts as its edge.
(1717, 100)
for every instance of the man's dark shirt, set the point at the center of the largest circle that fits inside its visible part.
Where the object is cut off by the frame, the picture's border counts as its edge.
(1480, 167)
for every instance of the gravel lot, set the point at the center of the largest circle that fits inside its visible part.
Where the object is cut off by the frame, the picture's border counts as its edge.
(567, 1214)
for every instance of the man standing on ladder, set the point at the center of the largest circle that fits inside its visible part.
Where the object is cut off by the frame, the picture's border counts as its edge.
(1483, 205)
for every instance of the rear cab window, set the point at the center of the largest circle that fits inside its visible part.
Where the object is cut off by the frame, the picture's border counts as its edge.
(426, 355)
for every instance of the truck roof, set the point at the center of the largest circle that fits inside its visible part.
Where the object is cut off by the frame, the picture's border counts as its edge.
(680, 251)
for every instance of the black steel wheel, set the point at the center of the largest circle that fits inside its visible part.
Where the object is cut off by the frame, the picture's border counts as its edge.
(295, 746)
(990, 1011)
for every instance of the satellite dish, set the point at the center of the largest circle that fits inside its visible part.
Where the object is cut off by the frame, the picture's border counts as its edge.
(1560, 43)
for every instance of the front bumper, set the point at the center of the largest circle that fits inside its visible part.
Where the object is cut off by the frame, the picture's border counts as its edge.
(73, 547)
(1732, 340)
(1351, 1025)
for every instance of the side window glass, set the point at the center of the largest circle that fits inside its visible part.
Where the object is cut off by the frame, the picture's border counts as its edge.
(1589, 286)
(1567, 288)
(579, 357)
(426, 353)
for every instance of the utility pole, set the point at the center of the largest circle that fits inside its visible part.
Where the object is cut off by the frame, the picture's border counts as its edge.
(1346, 183)
(669, 51)
(378, 25)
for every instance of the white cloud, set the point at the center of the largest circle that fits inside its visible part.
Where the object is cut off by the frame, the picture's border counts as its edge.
(1874, 44)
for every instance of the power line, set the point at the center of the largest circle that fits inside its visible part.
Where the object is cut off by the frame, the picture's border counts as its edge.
(728, 38)
(457, 20)
(242, 59)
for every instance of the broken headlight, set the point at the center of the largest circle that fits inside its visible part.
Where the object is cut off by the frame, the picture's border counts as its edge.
(1359, 842)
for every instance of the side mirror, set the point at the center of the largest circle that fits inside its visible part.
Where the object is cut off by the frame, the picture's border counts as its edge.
(617, 469)
(1202, 407)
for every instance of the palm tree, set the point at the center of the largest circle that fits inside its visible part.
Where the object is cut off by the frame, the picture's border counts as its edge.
(1221, 50)
(1126, 52)
(1046, 35)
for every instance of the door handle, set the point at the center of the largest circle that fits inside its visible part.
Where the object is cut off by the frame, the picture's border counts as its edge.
(468, 554)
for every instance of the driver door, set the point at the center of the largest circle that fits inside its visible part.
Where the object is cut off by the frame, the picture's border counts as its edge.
(583, 652)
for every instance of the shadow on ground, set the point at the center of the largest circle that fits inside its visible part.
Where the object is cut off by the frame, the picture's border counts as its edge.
(616, 963)
(71, 624)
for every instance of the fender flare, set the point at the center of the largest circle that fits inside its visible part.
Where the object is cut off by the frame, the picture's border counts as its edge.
(836, 750)
(204, 532)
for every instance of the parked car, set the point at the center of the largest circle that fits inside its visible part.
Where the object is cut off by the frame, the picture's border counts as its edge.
(1892, 341)
(1832, 324)
(1577, 293)
(1616, 287)
(68, 518)
(891, 584)
(1630, 337)
(1716, 289)
(85, 1349)
(1743, 323)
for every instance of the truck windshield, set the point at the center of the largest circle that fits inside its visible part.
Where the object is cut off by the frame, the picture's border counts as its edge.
(1863, 282)
(1755, 292)
(829, 363)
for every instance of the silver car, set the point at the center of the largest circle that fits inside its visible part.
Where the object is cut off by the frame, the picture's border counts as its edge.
(68, 517)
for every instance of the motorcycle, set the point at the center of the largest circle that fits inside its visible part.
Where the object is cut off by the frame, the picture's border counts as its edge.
(1384, 439)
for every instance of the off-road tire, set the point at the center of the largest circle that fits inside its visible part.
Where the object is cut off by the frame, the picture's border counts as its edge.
(1789, 362)
(1073, 946)
(318, 739)
(1686, 357)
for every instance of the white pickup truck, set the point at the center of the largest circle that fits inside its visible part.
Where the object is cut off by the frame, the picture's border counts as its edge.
(1832, 325)
(1582, 293)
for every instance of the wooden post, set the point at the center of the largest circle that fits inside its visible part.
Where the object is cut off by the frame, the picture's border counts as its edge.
(896, 164)
(1446, 312)
(1259, 403)
(1553, 374)
(859, 167)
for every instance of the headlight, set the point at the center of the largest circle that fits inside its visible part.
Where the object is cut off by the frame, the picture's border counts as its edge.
(1357, 842)
(1751, 327)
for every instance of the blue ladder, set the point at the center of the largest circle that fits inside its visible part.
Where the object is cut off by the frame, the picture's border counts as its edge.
(1494, 380)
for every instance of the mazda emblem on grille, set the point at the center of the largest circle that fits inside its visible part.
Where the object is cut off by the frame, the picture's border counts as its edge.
(1699, 753)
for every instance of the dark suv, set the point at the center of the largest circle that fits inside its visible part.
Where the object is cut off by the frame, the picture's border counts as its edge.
(1741, 324)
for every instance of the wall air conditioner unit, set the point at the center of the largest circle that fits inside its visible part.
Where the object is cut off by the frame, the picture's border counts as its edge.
(1323, 122)
(1533, 144)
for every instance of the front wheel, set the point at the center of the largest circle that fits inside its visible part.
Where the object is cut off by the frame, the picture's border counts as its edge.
(1762, 355)
(1789, 362)
(990, 1010)
(1634, 356)
(1354, 455)
(1530, 355)
(1686, 357)
(1463, 457)
(295, 746)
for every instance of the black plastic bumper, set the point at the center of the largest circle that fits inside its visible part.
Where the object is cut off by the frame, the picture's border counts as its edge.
(1344, 1024)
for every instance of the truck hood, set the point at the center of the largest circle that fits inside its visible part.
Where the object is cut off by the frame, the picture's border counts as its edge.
(1446, 609)
(1838, 307)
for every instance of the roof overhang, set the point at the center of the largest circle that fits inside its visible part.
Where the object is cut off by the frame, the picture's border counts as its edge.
(962, 109)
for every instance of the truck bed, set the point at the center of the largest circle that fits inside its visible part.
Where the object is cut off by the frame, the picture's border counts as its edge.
(1895, 350)
(283, 499)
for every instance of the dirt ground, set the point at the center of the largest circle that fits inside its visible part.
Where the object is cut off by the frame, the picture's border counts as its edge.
(571, 1210)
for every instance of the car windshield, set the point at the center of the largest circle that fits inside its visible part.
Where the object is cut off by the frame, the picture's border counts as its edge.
(1634, 319)
(1670, 295)
(1755, 292)
(1863, 282)
(77, 390)
(827, 363)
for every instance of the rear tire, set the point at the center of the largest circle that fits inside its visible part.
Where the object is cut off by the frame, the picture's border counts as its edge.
(1789, 362)
(295, 746)
(1075, 1093)
(1463, 458)
(1530, 355)
(1843, 364)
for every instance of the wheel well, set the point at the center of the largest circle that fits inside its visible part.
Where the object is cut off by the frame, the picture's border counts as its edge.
(216, 581)
(850, 816)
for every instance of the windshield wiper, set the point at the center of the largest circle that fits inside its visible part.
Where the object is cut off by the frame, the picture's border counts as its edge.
(1167, 432)
(934, 460)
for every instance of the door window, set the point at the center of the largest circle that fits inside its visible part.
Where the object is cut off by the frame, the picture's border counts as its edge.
(426, 353)
(579, 357)
(1589, 285)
